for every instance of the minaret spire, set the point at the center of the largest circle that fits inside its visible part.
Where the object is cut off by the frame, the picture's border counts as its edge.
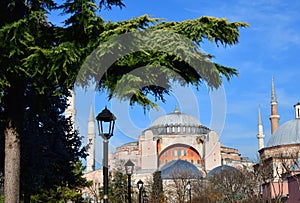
(274, 117)
(259, 116)
(260, 135)
(91, 138)
(273, 94)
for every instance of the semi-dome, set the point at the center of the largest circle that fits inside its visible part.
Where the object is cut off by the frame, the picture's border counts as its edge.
(218, 169)
(176, 118)
(134, 143)
(176, 169)
(288, 133)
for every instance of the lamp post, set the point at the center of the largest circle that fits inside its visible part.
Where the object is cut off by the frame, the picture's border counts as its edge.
(188, 188)
(129, 171)
(140, 185)
(145, 196)
(105, 116)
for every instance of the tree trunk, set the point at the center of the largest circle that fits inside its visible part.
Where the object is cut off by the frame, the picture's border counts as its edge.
(13, 128)
(12, 164)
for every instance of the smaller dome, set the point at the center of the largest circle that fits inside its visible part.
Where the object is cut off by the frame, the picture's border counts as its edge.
(288, 133)
(135, 143)
(177, 168)
(219, 169)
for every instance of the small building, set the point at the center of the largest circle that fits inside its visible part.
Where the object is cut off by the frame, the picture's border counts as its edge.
(92, 193)
(279, 155)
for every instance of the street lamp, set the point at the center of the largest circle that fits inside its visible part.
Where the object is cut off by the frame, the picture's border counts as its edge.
(129, 171)
(105, 116)
(188, 188)
(140, 185)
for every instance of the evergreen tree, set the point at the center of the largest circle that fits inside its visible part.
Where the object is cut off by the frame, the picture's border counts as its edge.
(157, 192)
(63, 193)
(50, 148)
(118, 187)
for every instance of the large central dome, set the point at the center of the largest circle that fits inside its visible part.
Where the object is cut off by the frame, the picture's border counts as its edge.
(175, 119)
(288, 133)
(177, 123)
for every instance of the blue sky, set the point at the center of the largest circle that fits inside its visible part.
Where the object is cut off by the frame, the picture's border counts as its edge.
(270, 47)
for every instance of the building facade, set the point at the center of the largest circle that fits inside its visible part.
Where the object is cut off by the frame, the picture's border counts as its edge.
(175, 136)
(280, 153)
(173, 142)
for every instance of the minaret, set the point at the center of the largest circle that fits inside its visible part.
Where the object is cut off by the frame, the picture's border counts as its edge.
(260, 135)
(71, 111)
(274, 117)
(297, 110)
(91, 136)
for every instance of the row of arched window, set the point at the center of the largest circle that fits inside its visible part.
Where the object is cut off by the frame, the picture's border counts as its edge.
(180, 130)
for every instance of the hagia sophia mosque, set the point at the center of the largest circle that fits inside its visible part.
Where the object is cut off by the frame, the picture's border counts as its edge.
(170, 138)
(178, 140)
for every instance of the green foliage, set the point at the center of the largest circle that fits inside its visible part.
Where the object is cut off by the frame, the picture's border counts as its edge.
(51, 149)
(217, 30)
(109, 3)
(64, 192)
(118, 187)
(27, 53)
(157, 192)
(12, 11)
(60, 194)
(50, 146)
(172, 48)
(59, 52)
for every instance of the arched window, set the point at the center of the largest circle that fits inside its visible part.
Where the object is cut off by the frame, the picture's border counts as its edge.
(179, 152)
